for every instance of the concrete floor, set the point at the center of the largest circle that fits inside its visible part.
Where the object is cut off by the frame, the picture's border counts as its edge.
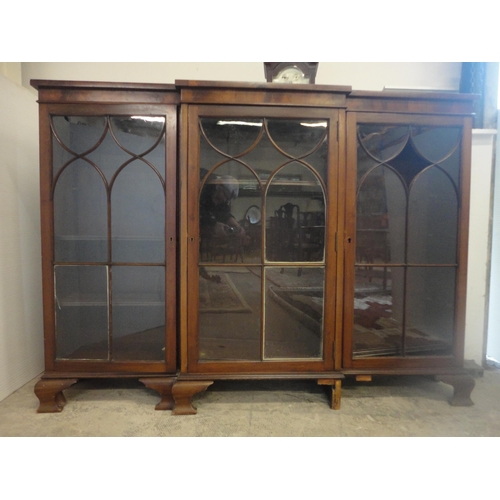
(390, 406)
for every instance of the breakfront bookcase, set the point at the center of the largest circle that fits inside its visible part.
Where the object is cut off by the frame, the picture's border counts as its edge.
(209, 231)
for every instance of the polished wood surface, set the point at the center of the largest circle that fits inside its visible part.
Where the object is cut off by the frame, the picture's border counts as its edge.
(182, 374)
(183, 392)
(162, 385)
(50, 394)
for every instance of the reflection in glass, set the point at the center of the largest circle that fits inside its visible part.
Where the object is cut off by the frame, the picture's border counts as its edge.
(430, 310)
(407, 214)
(319, 160)
(79, 134)
(380, 219)
(80, 215)
(227, 233)
(137, 134)
(378, 312)
(264, 158)
(432, 219)
(81, 295)
(295, 212)
(209, 157)
(138, 215)
(138, 313)
(297, 138)
(231, 136)
(230, 313)
(381, 141)
(242, 161)
(294, 312)
(435, 143)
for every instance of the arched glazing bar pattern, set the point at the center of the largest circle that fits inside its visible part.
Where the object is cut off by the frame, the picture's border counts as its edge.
(407, 206)
(111, 145)
(108, 191)
(262, 206)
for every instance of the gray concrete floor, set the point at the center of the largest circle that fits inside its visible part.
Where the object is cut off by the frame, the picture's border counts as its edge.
(390, 406)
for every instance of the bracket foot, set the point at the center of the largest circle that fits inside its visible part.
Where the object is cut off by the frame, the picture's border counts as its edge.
(183, 392)
(336, 391)
(462, 388)
(162, 385)
(50, 394)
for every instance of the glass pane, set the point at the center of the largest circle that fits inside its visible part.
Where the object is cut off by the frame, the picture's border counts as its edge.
(435, 143)
(230, 216)
(81, 312)
(380, 219)
(138, 313)
(432, 219)
(230, 313)
(231, 136)
(137, 134)
(297, 138)
(60, 156)
(209, 158)
(409, 163)
(79, 133)
(319, 160)
(294, 312)
(365, 164)
(138, 215)
(295, 216)
(430, 310)
(80, 215)
(108, 157)
(157, 157)
(378, 312)
(381, 141)
(265, 158)
(451, 165)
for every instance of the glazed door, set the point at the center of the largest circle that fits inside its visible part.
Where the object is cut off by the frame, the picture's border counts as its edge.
(261, 223)
(109, 194)
(407, 196)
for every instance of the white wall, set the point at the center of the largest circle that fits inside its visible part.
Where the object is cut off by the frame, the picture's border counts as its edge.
(481, 165)
(361, 76)
(21, 333)
(493, 346)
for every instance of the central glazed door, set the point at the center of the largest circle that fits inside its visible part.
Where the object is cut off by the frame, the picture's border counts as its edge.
(260, 213)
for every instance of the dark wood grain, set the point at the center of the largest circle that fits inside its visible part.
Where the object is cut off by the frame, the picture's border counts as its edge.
(183, 103)
(162, 385)
(183, 392)
(50, 394)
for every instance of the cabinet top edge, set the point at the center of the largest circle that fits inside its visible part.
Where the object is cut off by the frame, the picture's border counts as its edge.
(413, 94)
(93, 85)
(307, 87)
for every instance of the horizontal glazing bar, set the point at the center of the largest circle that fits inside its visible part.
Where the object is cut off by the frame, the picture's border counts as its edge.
(404, 265)
(162, 264)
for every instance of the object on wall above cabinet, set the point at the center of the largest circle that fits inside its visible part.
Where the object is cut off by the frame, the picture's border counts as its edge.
(291, 72)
